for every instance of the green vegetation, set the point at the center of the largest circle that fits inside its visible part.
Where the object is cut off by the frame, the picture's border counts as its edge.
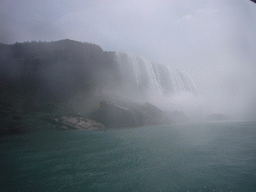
(50, 76)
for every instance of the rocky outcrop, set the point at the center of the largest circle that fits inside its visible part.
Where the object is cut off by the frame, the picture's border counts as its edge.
(32, 104)
(76, 123)
(128, 115)
(148, 114)
(13, 129)
(11, 120)
(17, 119)
(112, 115)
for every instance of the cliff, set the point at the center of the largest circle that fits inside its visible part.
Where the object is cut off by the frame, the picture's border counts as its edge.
(57, 69)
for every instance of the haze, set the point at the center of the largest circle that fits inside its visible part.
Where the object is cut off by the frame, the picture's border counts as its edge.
(212, 40)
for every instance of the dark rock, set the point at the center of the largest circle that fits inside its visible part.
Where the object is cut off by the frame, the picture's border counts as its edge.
(30, 105)
(13, 129)
(17, 129)
(4, 114)
(4, 130)
(5, 104)
(48, 107)
(112, 115)
(16, 117)
(18, 111)
(76, 123)
(4, 107)
(148, 114)
(128, 115)
(54, 71)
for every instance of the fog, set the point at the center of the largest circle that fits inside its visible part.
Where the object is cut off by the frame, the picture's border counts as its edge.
(212, 40)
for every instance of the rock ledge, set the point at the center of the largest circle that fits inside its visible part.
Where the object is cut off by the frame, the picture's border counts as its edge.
(77, 123)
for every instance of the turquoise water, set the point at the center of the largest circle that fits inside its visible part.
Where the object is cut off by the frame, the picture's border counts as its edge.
(188, 157)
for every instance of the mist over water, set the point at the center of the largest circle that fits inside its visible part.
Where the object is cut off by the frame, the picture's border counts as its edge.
(215, 46)
(159, 84)
(195, 57)
(174, 90)
(213, 41)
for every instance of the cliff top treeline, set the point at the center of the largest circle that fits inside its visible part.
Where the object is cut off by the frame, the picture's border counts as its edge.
(55, 70)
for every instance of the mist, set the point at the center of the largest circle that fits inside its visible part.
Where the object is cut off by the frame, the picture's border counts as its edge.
(213, 41)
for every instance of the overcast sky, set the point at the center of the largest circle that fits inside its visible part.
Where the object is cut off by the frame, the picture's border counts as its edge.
(213, 40)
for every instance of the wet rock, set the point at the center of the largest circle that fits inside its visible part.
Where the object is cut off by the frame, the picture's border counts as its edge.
(17, 129)
(18, 111)
(112, 115)
(16, 117)
(4, 114)
(48, 107)
(148, 114)
(30, 105)
(128, 115)
(5, 104)
(76, 123)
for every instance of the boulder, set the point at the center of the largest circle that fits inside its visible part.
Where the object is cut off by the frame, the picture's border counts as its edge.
(148, 114)
(112, 115)
(77, 123)
(128, 115)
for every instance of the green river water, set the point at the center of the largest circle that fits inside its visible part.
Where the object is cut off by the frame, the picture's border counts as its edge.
(217, 156)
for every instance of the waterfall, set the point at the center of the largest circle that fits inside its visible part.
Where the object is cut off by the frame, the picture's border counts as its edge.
(141, 77)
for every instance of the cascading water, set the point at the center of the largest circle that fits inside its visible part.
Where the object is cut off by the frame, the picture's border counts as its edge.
(141, 78)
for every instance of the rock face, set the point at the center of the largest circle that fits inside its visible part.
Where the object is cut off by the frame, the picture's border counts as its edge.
(11, 120)
(13, 129)
(112, 115)
(77, 123)
(128, 115)
(54, 71)
(16, 121)
(148, 114)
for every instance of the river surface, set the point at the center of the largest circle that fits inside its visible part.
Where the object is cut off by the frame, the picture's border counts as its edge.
(217, 156)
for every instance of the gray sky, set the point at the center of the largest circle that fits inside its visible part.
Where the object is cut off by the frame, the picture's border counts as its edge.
(213, 40)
